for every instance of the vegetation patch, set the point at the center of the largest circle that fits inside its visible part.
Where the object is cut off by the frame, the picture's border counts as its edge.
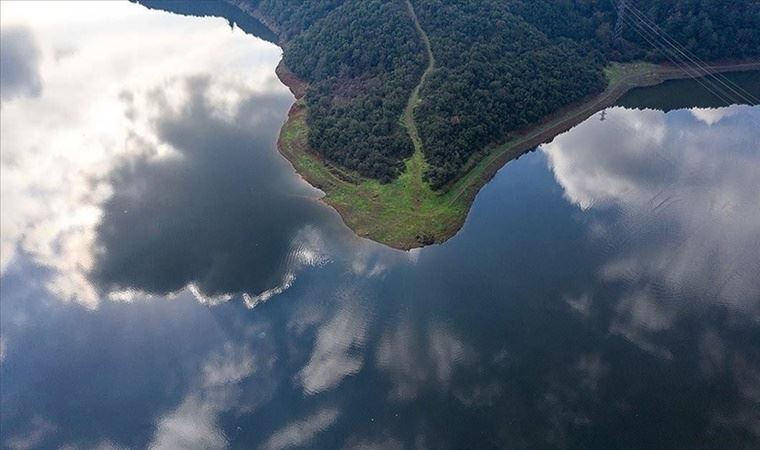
(407, 213)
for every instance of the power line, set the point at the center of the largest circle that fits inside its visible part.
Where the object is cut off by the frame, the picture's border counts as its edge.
(672, 57)
(688, 70)
(692, 71)
(693, 58)
(738, 91)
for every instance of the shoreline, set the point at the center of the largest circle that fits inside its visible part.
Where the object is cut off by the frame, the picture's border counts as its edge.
(406, 213)
(384, 214)
(640, 75)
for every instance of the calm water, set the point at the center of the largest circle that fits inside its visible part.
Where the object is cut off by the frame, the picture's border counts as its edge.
(168, 281)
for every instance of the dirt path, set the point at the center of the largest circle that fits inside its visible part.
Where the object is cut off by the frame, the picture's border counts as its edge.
(416, 164)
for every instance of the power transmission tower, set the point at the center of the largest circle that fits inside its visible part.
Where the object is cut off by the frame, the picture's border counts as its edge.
(619, 24)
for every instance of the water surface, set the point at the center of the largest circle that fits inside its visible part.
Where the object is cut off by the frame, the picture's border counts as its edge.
(168, 280)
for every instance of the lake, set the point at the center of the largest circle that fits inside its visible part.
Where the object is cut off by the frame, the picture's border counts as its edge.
(169, 281)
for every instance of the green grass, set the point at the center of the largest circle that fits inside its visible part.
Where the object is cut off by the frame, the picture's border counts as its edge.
(401, 214)
(407, 213)
(617, 72)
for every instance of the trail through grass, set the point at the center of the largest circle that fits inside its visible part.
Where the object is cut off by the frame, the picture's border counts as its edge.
(416, 165)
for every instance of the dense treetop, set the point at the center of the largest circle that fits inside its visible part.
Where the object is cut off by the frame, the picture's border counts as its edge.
(711, 29)
(362, 61)
(495, 73)
(499, 65)
(295, 16)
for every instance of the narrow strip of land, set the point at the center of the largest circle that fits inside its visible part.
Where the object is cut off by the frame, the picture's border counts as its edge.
(416, 164)
(622, 78)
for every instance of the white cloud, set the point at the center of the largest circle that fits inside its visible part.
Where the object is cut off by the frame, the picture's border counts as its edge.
(581, 304)
(711, 116)
(308, 249)
(230, 366)
(3, 348)
(388, 443)
(446, 352)
(204, 299)
(33, 435)
(58, 147)
(685, 193)
(251, 301)
(333, 357)
(193, 424)
(301, 432)
(398, 355)
(412, 366)
(591, 175)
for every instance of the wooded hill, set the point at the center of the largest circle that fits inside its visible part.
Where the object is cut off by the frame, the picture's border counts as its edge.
(499, 65)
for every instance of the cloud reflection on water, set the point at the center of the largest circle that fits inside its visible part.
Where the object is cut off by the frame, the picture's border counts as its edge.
(145, 177)
(157, 176)
(685, 195)
(413, 363)
(301, 432)
(219, 214)
(19, 64)
(237, 377)
(679, 194)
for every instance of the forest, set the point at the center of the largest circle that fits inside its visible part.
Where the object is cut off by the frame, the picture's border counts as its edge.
(710, 29)
(500, 65)
(295, 16)
(362, 60)
(495, 73)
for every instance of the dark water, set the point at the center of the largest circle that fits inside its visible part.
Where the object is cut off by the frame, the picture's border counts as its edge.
(699, 93)
(168, 281)
(214, 8)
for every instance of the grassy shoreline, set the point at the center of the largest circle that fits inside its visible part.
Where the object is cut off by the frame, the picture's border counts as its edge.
(407, 213)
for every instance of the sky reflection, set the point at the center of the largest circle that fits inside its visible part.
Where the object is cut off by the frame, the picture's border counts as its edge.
(123, 179)
(169, 281)
(684, 190)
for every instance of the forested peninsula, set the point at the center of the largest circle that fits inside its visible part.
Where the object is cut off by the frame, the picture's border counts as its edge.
(406, 108)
